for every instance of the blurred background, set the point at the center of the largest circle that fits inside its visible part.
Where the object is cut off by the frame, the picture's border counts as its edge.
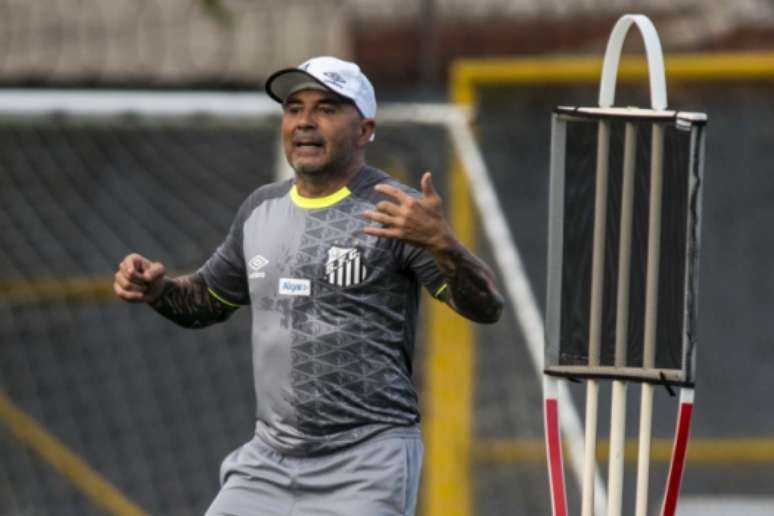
(105, 408)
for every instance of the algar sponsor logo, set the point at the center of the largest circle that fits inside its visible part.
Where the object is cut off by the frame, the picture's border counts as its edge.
(294, 287)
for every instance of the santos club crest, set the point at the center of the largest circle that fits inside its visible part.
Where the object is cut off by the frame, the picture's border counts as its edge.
(345, 266)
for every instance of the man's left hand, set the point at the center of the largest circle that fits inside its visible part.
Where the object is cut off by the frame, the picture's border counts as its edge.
(418, 221)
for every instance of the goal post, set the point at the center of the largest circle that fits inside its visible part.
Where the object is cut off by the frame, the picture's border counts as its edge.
(468, 76)
(77, 167)
(481, 83)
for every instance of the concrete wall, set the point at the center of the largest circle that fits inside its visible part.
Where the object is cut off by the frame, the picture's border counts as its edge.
(164, 41)
(216, 42)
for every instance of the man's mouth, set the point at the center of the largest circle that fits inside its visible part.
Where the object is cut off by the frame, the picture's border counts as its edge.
(308, 144)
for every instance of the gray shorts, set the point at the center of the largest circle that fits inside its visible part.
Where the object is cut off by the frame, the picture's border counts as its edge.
(378, 477)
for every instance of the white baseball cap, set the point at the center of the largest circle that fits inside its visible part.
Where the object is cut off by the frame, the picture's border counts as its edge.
(329, 73)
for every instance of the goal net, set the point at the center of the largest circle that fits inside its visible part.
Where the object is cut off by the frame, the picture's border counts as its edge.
(106, 406)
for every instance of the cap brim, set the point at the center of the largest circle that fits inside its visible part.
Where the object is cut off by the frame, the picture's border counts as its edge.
(283, 82)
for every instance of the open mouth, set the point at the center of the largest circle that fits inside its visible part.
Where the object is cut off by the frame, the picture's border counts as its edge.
(308, 144)
(309, 150)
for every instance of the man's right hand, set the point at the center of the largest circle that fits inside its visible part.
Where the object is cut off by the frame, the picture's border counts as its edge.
(138, 279)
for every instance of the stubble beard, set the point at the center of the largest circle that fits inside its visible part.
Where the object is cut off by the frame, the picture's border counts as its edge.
(336, 166)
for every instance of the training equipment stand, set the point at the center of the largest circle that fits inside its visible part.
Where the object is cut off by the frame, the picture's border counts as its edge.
(612, 312)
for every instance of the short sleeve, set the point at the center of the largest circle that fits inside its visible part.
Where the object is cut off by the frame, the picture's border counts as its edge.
(422, 264)
(224, 272)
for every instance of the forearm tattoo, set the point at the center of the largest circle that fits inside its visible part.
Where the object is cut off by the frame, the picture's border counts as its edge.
(471, 286)
(186, 301)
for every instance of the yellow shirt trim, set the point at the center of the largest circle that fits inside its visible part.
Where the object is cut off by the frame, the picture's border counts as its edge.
(219, 298)
(318, 202)
(440, 290)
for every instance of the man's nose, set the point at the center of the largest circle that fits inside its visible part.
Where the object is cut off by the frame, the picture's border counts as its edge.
(306, 119)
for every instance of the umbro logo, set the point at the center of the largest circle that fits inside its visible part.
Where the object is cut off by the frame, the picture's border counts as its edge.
(335, 78)
(255, 264)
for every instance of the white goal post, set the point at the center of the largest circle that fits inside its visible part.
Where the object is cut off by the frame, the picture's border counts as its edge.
(241, 107)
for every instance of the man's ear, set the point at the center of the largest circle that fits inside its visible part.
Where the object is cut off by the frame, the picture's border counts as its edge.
(367, 128)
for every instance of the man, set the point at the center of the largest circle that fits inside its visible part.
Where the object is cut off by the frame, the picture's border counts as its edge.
(330, 263)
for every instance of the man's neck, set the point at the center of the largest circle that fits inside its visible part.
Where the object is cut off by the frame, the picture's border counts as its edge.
(323, 183)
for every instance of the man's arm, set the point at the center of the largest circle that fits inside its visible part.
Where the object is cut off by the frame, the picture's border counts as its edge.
(471, 287)
(184, 300)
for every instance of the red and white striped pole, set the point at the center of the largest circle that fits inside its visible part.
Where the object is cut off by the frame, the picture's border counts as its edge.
(554, 446)
(679, 452)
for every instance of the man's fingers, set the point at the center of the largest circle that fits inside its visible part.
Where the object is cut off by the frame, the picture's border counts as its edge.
(393, 192)
(136, 277)
(130, 284)
(388, 207)
(128, 295)
(127, 271)
(140, 270)
(382, 232)
(136, 262)
(125, 266)
(132, 265)
(426, 185)
(153, 271)
(380, 217)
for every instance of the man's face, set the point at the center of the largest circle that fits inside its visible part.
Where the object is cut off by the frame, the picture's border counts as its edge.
(321, 132)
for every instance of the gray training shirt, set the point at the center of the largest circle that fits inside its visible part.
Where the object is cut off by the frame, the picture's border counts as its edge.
(334, 313)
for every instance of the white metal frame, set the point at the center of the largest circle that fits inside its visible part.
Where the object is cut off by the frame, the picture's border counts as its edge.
(658, 99)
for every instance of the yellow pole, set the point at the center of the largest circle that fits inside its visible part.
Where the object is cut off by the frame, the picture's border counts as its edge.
(449, 385)
(67, 463)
